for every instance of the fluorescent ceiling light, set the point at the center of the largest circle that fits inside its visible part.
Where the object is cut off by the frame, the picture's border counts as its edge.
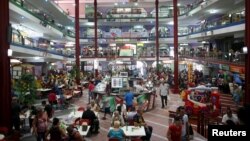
(136, 4)
(10, 52)
(178, 4)
(213, 11)
(90, 23)
(15, 61)
(171, 23)
(244, 49)
(116, 4)
(37, 58)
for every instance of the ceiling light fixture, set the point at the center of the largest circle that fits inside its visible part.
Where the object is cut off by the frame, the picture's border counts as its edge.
(244, 49)
(213, 11)
(116, 4)
(136, 4)
(36, 58)
(178, 4)
(171, 23)
(10, 52)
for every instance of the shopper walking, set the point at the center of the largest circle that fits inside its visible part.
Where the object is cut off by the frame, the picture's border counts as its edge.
(164, 91)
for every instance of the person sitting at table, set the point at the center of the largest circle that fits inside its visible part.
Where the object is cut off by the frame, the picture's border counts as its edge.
(73, 134)
(139, 120)
(56, 132)
(94, 122)
(52, 98)
(174, 130)
(117, 117)
(121, 108)
(229, 116)
(94, 106)
(129, 96)
(116, 132)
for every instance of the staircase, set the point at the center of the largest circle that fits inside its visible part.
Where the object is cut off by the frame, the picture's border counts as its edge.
(227, 100)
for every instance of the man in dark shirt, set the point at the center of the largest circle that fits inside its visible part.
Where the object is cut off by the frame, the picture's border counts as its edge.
(94, 122)
(16, 111)
(48, 109)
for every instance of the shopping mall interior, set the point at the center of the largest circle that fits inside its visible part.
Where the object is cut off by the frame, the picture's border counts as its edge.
(136, 70)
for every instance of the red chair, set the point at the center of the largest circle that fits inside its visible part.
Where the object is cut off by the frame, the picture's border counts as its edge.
(113, 139)
(80, 121)
(81, 109)
(4, 130)
(136, 139)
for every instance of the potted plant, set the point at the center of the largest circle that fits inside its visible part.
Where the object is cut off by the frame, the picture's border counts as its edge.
(25, 87)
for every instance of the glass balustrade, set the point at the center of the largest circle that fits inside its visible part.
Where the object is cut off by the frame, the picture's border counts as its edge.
(29, 43)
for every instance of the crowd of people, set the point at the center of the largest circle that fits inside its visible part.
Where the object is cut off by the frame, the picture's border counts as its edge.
(45, 126)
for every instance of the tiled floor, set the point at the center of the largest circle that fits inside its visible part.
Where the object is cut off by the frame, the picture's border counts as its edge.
(158, 118)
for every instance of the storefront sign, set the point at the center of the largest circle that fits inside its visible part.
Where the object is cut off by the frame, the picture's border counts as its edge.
(237, 69)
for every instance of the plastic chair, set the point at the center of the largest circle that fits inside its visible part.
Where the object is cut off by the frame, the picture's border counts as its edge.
(81, 109)
(113, 139)
(136, 139)
(80, 121)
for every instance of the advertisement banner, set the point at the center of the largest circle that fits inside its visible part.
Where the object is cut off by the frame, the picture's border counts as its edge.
(237, 69)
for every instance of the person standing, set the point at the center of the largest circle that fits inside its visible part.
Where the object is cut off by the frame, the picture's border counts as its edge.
(174, 130)
(48, 109)
(15, 116)
(164, 91)
(56, 132)
(40, 124)
(106, 106)
(129, 97)
(185, 124)
(91, 88)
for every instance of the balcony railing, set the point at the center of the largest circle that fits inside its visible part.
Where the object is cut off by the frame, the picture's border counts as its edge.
(25, 42)
(48, 20)
(223, 57)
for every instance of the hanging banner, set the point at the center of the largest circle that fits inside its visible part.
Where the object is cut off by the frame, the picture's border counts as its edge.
(237, 69)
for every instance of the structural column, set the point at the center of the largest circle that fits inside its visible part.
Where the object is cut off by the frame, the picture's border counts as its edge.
(96, 42)
(176, 64)
(5, 83)
(157, 34)
(247, 62)
(77, 47)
